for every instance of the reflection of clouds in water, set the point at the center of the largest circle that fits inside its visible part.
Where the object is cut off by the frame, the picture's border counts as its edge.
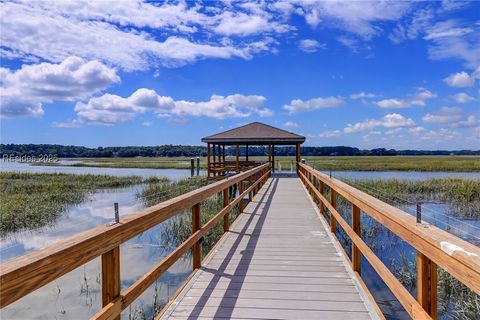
(69, 293)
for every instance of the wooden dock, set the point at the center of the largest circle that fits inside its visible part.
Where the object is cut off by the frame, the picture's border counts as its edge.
(280, 259)
(277, 262)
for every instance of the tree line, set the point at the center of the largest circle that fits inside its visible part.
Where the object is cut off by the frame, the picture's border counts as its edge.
(201, 151)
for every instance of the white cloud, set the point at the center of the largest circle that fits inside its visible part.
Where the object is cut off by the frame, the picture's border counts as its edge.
(330, 134)
(392, 120)
(298, 105)
(362, 95)
(418, 98)
(25, 90)
(462, 97)
(362, 18)
(244, 24)
(310, 45)
(111, 109)
(451, 117)
(291, 124)
(392, 103)
(460, 80)
(113, 33)
(438, 135)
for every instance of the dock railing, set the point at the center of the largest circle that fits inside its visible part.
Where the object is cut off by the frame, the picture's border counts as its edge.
(23, 275)
(435, 247)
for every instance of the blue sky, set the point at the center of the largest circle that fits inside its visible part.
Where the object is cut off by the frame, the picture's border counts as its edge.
(364, 74)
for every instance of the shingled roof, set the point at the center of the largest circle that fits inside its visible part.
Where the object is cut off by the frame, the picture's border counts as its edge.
(255, 133)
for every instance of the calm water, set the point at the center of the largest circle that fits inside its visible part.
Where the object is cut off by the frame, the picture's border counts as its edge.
(77, 295)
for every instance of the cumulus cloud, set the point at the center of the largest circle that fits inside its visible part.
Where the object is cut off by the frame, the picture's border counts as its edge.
(116, 34)
(310, 45)
(460, 80)
(462, 97)
(291, 124)
(25, 90)
(438, 135)
(298, 105)
(110, 109)
(451, 117)
(418, 98)
(362, 95)
(392, 120)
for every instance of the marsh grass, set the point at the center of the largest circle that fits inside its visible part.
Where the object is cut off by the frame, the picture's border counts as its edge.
(33, 200)
(462, 195)
(359, 163)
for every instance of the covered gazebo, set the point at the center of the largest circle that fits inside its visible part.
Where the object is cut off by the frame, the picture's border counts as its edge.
(255, 133)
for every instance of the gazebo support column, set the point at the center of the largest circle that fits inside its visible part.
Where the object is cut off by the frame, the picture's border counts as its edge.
(223, 154)
(208, 160)
(298, 152)
(273, 158)
(237, 158)
(246, 153)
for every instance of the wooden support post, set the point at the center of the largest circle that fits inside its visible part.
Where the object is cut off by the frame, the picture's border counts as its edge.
(226, 217)
(219, 153)
(208, 160)
(356, 254)
(427, 284)
(246, 153)
(223, 154)
(273, 158)
(214, 160)
(197, 249)
(237, 159)
(321, 189)
(298, 153)
(333, 202)
(240, 187)
(111, 276)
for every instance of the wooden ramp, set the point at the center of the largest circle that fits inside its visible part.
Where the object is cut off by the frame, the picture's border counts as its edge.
(277, 262)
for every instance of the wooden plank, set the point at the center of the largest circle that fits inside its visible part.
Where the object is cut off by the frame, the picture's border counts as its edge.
(226, 218)
(251, 273)
(333, 202)
(20, 276)
(356, 254)
(413, 308)
(197, 248)
(111, 276)
(460, 258)
(427, 285)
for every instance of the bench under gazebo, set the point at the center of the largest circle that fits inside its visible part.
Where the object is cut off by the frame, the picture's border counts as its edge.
(252, 134)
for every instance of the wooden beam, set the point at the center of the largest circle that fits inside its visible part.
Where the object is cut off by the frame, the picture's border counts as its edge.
(219, 153)
(223, 153)
(226, 217)
(111, 276)
(356, 254)
(197, 247)
(333, 202)
(208, 160)
(427, 285)
(240, 188)
(298, 153)
(321, 190)
(273, 158)
(246, 153)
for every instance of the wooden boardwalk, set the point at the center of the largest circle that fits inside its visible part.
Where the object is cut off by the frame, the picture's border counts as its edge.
(277, 262)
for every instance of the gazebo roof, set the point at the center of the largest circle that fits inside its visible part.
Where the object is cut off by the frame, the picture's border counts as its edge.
(255, 133)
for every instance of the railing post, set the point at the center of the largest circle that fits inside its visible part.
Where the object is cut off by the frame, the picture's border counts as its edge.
(333, 202)
(356, 254)
(427, 284)
(240, 188)
(250, 194)
(226, 217)
(197, 249)
(321, 189)
(111, 276)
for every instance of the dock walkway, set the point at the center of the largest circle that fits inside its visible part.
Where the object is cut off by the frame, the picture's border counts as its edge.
(277, 262)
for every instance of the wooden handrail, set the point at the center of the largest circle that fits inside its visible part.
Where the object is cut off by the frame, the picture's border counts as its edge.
(434, 246)
(20, 276)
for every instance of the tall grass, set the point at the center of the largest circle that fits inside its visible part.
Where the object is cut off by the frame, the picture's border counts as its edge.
(32, 200)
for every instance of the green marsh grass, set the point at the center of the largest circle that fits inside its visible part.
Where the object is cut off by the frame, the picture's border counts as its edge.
(33, 200)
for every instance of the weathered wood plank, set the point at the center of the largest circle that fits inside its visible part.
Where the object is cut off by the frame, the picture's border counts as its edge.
(278, 262)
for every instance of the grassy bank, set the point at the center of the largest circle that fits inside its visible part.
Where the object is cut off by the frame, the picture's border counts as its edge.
(463, 195)
(368, 163)
(32, 200)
